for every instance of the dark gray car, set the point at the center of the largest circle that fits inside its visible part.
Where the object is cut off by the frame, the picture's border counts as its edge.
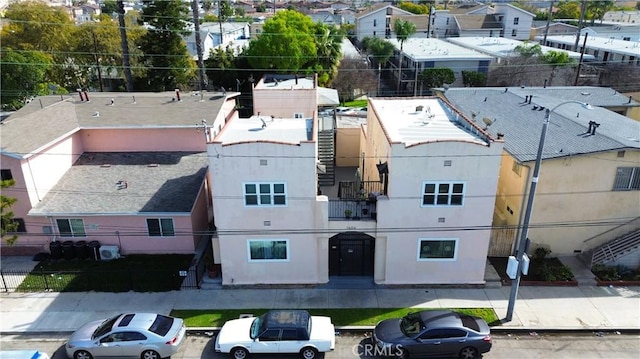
(433, 333)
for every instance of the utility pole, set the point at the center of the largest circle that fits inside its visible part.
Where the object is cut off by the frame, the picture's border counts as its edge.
(546, 30)
(125, 47)
(196, 24)
(583, 10)
(97, 59)
(584, 46)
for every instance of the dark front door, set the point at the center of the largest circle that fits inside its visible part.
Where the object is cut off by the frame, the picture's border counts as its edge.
(351, 254)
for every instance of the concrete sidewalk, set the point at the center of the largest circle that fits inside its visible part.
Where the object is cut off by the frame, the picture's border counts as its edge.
(585, 307)
(537, 308)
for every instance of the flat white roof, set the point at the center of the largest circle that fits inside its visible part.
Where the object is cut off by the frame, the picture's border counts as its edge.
(425, 49)
(406, 123)
(503, 47)
(266, 129)
(285, 83)
(631, 48)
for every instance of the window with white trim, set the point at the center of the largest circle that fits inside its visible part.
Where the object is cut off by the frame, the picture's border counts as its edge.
(442, 193)
(160, 227)
(437, 249)
(71, 227)
(517, 168)
(268, 250)
(514, 32)
(627, 179)
(516, 20)
(265, 194)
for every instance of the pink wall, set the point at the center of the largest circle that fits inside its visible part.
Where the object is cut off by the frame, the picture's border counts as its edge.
(200, 213)
(151, 139)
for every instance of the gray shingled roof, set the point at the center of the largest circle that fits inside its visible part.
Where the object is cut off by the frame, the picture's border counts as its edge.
(89, 187)
(475, 22)
(566, 136)
(48, 118)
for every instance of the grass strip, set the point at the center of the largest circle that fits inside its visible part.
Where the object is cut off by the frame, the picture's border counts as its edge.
(339, 316)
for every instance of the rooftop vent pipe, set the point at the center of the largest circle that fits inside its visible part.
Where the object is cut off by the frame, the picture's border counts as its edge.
(178, 94)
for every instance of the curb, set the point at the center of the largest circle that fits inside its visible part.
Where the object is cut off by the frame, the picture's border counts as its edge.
(211, 331)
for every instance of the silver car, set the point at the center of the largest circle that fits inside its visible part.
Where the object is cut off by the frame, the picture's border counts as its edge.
(139, 335)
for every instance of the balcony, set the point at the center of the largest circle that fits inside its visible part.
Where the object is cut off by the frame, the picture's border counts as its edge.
(351, 198)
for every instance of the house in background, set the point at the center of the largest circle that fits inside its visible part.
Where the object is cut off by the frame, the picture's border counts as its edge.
(415, 209)
(213, 34)
(589, 186)
(606, 51)
(555, 28)
(624, 32)
(127, 170)
(421, 53)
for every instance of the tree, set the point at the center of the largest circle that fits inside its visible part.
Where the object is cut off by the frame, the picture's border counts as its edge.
(567, 10)
(529, 50)
(418, 9)
(329, 52)
(556, 59)
(9, 226)
(474, 79)
(436, 77)
(286, 44)
(109, 7)
(221, 66)
(379, 50)
(403, 30)
(166, 58)
(597, 9)
(37, 26)
(354, 78)
(22, 72)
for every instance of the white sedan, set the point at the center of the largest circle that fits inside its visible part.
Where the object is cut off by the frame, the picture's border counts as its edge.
(277, 331)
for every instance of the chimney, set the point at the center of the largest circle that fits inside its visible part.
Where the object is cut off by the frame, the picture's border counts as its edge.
(595, 125)
(296, 79)
(178, 94)
(500, 135)
(80, 94)
(113, 102)
(545, 83)
(506, 89)
(590, 126)
(530, 98)
(86, 96)
(630, 98)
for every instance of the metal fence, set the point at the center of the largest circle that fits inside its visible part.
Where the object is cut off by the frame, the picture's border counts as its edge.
(137, 280)
(352, 209)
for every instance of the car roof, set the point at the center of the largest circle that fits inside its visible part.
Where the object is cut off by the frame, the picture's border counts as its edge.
(440, 319)
(23, 354)
(135, 320)
(286, 318)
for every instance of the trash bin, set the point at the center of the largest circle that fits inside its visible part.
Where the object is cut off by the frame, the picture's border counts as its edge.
(67, 250)
(81, 250)
(93, 249)
(56, 250)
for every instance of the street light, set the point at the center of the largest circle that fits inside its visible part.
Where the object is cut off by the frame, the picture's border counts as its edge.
(522, 244)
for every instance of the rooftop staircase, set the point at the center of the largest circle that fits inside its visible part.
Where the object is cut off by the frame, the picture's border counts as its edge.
(326, 156)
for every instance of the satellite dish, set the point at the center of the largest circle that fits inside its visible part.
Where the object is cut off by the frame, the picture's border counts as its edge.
(487, 121)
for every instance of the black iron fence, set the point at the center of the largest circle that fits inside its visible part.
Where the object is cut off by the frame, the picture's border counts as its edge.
(137, 280)
(341, 209)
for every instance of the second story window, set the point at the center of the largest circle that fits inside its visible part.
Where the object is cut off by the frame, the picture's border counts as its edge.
(375, 22)
(73, 227)
(265, 194)
(516, 20)
(442, 194)
(627, 179)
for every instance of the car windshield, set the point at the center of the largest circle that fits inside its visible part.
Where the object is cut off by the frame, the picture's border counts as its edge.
(105, 327)
(411, 324)
(256, 327)
(161, 325)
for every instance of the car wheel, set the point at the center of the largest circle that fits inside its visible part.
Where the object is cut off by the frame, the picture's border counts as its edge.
(82, 354)
(150, 354)
(468, 353)
(239, 353)
(308, 353)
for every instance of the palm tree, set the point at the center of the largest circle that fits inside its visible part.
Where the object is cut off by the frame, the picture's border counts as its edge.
(403, 30)
(329, 51)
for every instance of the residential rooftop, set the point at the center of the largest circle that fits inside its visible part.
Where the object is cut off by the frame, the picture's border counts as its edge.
(430, 49)
(285, 82)
(48, 118)
(521, 122)
(502, 47)
(630, 48)
(263, 128)
(422, 120)
(128, 183)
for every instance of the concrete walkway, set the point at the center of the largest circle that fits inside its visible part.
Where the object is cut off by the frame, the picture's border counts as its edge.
(585, 307)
